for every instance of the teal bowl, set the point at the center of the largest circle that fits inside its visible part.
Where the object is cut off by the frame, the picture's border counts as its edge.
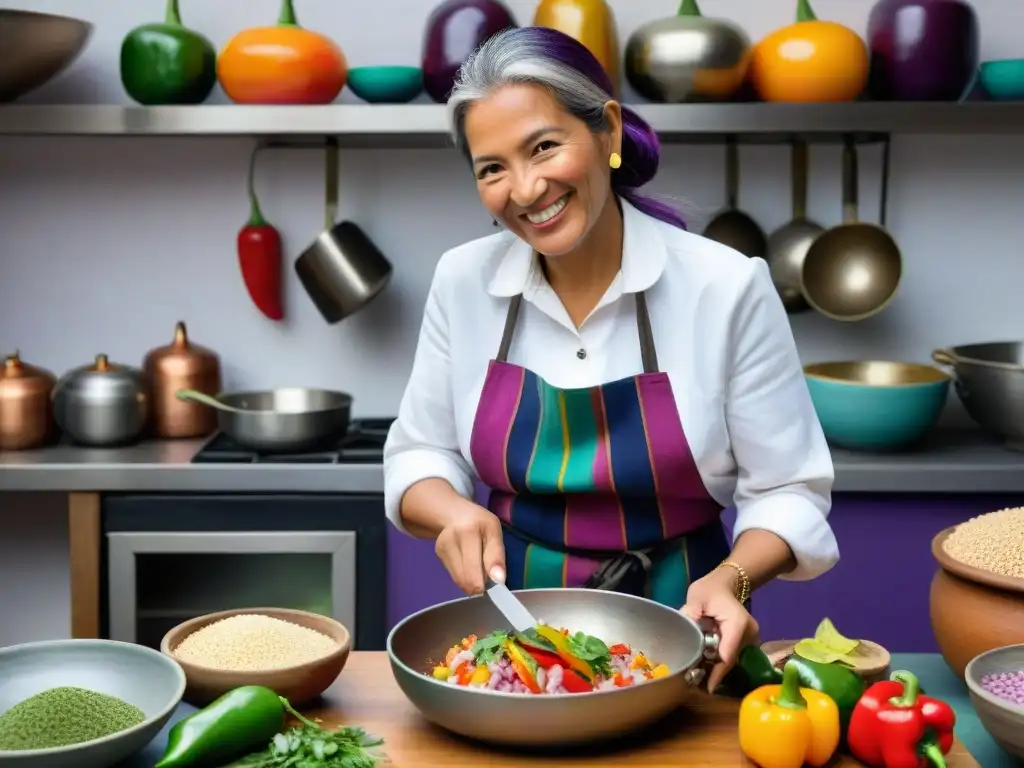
(1003, 80)
(876, 405)
(386, 85)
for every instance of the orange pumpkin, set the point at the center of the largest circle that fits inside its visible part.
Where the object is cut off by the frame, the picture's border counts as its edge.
(284, 64)
(810, 61)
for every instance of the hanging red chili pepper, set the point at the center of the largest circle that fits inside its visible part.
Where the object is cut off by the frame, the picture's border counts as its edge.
(259, 255)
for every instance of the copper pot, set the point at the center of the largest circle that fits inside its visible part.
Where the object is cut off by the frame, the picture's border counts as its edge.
(26, 414)
(182, 365)
(972, 610)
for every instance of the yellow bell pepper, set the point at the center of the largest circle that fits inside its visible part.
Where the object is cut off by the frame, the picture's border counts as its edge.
(786, 726)
(561, 644)
(590, 22)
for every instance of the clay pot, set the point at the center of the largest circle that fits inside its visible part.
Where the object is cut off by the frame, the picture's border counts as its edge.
(972, 610)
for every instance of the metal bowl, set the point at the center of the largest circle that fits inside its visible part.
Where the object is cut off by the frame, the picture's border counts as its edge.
(1003, 720)
(521, 720)
(876, 404)
(133, 673)
(989, 380)
(35, 48)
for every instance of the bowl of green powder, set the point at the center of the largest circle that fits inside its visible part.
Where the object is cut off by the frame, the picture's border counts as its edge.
(83, 703)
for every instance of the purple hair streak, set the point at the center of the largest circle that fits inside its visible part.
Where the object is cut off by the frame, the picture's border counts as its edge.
(547, 57)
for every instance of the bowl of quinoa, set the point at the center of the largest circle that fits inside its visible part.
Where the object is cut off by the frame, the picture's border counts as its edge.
(977, 594)
(995, 682)
(296, 653)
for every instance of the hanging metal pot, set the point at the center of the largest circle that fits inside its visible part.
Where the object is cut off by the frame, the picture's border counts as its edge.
(342, 271)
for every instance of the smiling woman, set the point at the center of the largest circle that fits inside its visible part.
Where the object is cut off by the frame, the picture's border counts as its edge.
(608, 461)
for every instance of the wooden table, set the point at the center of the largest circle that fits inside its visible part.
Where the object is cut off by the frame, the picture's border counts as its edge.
(703, 734)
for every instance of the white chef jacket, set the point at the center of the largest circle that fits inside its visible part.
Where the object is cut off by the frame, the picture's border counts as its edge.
(720, 332)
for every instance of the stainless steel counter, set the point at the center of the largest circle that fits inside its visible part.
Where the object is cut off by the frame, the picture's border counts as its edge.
(954, 462)
(164, 467)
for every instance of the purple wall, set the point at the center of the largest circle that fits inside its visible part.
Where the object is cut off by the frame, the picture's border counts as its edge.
(879, 590)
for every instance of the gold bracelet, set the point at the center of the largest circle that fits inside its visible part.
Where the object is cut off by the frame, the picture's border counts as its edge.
(743, 583)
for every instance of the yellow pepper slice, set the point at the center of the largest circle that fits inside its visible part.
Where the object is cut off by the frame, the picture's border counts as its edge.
(524, 666)
(561, 644)
(786, 726)
(441, 672)
(480, 676)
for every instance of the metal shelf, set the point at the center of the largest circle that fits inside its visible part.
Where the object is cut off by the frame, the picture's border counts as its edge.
(423, 125)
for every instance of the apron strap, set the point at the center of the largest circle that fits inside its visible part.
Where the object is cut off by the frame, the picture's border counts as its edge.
(643, 323)
(510, 328)
(648, 354)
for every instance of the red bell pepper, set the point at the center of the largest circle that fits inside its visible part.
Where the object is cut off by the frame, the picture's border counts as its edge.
(260, 257)
(894, 726)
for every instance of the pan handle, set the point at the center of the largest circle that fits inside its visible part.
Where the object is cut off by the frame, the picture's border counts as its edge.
(709, 653)
(732, 173)
(944, 357)
(798, 174)
(192, 396)
(851, 191)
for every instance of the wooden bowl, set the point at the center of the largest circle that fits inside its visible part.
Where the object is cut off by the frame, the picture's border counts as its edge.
(972, 610)
(299, 684)
(873, 659)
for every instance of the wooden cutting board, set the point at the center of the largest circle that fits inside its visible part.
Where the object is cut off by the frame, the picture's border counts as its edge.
(703, 734)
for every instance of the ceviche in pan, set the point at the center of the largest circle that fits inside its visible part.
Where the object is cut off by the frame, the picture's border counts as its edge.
(544, 660)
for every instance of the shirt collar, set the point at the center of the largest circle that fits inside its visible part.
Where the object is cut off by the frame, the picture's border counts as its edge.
(643, 259)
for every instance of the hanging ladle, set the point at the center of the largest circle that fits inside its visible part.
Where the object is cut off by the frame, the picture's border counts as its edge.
(732, 226)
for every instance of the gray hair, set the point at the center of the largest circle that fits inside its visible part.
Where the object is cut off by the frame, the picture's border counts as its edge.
(514, 58)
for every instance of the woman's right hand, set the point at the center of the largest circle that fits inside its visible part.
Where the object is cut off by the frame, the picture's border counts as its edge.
(470, 546)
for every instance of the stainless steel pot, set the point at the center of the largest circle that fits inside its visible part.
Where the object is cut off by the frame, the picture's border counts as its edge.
(989, 380)
(342, 271)
(663, 634)
(687, 57)
(102, 404)
(287, 420)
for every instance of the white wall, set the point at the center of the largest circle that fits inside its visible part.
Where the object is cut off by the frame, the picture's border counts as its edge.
(107, 242)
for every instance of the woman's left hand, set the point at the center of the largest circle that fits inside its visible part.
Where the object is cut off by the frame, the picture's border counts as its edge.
(713, 597)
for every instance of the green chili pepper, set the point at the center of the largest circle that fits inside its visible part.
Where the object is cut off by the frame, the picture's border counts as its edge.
(754, 669)
(239, 722)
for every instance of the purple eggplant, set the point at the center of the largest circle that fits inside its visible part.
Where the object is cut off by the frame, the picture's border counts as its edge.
(454, 30)
(922, 50)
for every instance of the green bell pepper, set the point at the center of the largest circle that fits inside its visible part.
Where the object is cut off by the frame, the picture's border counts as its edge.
(168, 63)
(239, 722)
(754, 669)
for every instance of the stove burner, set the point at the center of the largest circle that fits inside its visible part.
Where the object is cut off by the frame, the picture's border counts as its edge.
(364, 444)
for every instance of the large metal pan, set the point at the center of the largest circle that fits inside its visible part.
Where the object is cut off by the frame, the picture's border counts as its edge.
(989, 380)
(279, 420)
(557, 720)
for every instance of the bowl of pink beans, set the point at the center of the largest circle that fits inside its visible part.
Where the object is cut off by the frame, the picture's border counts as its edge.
(995, 682)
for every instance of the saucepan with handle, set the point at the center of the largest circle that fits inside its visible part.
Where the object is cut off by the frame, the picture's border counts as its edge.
(664, 635)
(342, 271)
(288, 420)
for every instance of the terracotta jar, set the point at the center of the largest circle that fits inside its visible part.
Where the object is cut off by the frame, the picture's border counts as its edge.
(26, 413)
(182, 365)
(972, 610)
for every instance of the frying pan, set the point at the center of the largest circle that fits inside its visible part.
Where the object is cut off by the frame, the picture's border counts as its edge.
(664, 635)
(852, 271)
(732, 226)
(289, 420)
(788, 245)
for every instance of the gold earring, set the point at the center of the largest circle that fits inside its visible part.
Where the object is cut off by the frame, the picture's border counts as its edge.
(615, 161)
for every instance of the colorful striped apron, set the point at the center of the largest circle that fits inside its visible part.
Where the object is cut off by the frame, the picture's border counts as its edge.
(580, 477)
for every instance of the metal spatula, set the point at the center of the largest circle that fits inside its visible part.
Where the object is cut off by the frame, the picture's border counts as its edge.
(511, 608)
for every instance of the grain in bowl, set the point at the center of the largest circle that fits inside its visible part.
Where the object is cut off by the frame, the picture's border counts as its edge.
(992, 542)
(252, 642)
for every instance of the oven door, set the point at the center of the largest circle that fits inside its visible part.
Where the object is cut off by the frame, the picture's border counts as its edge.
(158, 580)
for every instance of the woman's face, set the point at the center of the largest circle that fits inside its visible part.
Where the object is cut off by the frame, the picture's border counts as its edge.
(540, 171)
